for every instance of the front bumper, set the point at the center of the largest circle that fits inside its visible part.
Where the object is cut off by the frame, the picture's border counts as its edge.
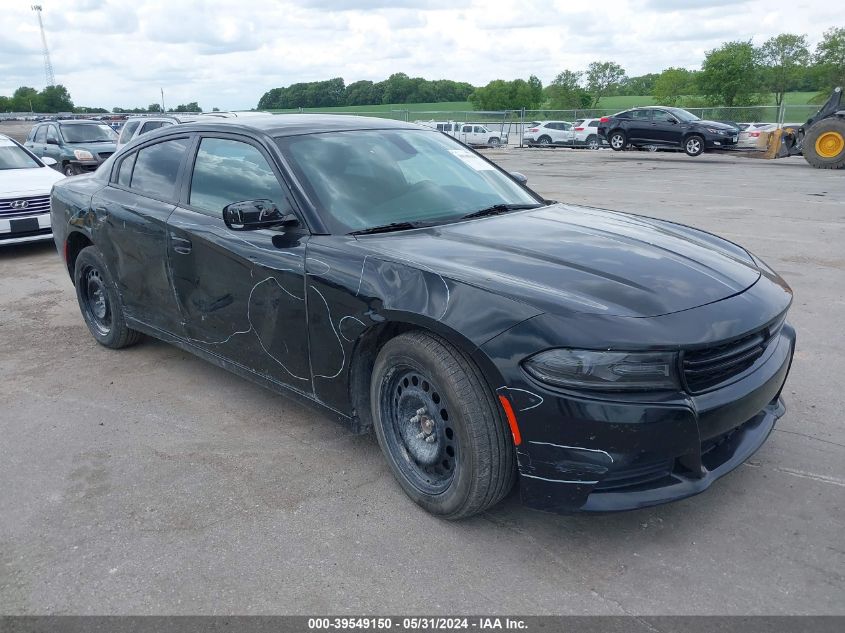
(712, 141)
(25, 229)
(86, 166)
(599, 454)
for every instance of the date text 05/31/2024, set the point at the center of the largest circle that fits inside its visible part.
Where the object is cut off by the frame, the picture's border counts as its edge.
(417, 623)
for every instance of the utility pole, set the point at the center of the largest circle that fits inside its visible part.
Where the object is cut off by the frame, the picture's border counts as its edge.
(48, 67)
(162, 99)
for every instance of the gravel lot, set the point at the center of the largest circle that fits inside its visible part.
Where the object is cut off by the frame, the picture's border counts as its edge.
(147, 481)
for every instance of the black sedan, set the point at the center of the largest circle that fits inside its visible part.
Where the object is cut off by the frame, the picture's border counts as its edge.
(404, 283)
(666, 128)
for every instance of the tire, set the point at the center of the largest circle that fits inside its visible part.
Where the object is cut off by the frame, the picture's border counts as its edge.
(593, 141)
(694, 145)
(470, 465)
(824, 144)
(544, 140)
(618, 140)
(69, 170)
(494, 142)
(99, 302)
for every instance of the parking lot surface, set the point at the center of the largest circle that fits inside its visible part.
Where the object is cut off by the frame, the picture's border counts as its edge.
(148, 481)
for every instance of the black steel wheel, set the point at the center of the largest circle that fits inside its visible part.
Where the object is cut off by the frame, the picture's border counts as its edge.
(99, 301)
(440, 426)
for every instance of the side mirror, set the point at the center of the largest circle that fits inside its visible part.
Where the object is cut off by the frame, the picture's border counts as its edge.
(49, 162)
(52, 141)
(250, 215)
(522, 179)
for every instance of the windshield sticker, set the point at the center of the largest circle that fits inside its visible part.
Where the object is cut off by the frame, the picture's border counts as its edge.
(471, 159)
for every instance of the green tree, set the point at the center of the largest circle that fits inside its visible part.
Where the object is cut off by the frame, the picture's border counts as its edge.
(672, 85)
(566, 92)
(55, 99)
(783, 59)
(5, 104)
(640, 85)
(193, 106)
(154, 107)
(508, 95)
(26, 99)
(602, 79)
(730, 75)
(830, 59)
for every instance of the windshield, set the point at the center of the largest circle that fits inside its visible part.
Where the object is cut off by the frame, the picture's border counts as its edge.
(683, 115)
(88, 133)
(368, 178)
(13, 157)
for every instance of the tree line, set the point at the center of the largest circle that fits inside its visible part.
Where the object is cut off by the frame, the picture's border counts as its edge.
(734, 74)
(53, 99)
(398, 88)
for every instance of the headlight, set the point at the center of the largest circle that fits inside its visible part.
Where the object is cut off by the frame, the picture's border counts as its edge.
(714, 130)
(82, 154)
(585, 369)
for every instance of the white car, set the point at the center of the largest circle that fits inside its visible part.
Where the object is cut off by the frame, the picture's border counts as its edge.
(550, 133)
(25, 184)
(470, 133)
(586, 133)
(754, 135)
(136, 126)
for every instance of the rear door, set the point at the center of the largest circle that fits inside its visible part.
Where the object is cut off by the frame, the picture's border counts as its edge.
(241, 293)
(141, 195)
(639, 126)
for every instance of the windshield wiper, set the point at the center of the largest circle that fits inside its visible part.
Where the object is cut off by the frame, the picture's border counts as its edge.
(387, 228)
(498, 209)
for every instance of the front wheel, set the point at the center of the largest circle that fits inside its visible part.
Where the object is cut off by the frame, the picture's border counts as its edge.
(824, 144)
(694, 145)
(618, 140)
(440, 427)
(69, 170)
(99, 301)
(593, 141)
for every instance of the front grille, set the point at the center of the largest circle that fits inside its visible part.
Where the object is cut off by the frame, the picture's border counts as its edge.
(104, 155)
(706, 368)
(11, 207)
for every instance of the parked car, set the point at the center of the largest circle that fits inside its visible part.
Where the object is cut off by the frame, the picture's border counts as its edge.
(473, 134)
(76, 146)
(586, 133)
(402, 282)
(754, 135)
(137, 126)
(25, 182)
(663, 127)
(549, 133)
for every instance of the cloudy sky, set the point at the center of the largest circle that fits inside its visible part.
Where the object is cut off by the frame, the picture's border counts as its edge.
(227, 53)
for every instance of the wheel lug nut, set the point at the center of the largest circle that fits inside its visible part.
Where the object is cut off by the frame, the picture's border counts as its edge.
(430, 439)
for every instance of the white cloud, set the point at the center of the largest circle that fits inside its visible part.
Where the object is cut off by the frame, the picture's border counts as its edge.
(227, 53)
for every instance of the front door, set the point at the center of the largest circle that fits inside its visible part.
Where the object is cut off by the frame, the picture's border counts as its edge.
(666, 129)
(241, 293)
(52, 146)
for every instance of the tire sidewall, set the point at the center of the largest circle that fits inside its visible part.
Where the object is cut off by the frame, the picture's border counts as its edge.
(618, 147)
(700, 146)
(398, 352)
(90, 256)
(544, 140)
(592, 141)
(833, 124)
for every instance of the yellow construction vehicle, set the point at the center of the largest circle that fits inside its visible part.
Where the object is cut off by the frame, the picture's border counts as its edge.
(821, 139)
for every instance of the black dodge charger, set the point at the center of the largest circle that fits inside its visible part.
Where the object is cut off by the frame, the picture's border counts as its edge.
(403, 283)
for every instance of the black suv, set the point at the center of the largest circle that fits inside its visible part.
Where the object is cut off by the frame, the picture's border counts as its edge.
(666, 128)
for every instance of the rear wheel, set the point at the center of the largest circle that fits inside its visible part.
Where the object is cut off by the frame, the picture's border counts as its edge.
(544, 140)
(593, 141)
(494, 142)
(694, 145)
(440, 427)
(99, 301)
(618, 140)
(824, 144)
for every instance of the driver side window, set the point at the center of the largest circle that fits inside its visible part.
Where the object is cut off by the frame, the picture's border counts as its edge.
(228, 171)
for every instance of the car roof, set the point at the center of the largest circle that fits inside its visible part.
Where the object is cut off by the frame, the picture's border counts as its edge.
(297, 124)
(77, 121)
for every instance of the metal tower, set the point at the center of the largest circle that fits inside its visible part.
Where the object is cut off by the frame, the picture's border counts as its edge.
(48, 67)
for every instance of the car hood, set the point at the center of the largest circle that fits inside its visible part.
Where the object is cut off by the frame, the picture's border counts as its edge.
(717, 125)
(27, 182)
(564, 258)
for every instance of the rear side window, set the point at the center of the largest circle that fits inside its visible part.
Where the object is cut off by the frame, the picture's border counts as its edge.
(124, 174)
(641, 115)
(157, 167)
(593, 124)
(228, 171)
(149, 126)
(623, 115)
(127, 131)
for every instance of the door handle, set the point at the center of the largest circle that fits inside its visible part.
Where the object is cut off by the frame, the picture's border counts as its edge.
(181, 245)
